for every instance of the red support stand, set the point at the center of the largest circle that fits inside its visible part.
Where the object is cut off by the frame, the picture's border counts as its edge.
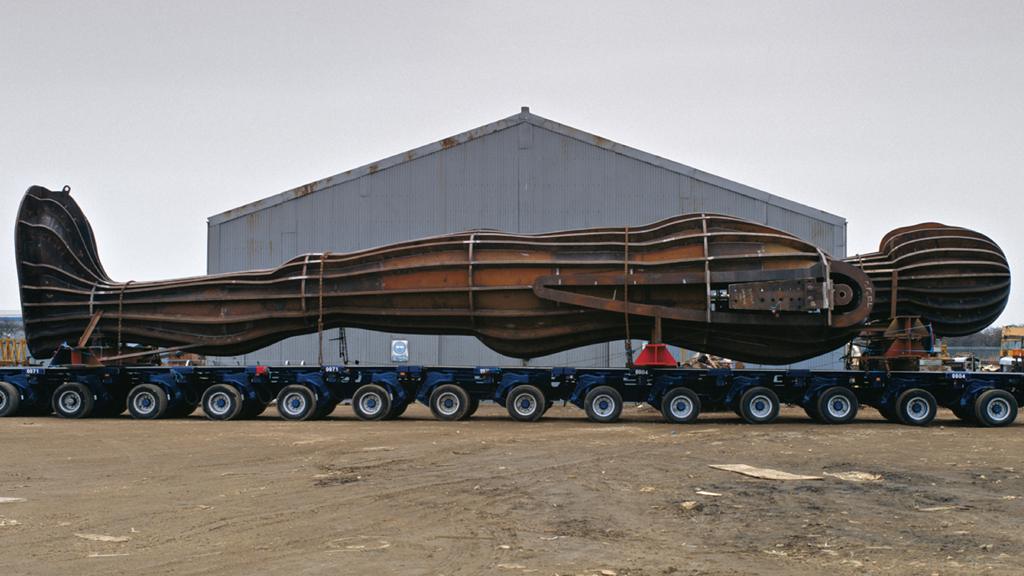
(655, 356)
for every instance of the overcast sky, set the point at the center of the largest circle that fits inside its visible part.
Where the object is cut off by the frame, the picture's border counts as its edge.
(160, 115)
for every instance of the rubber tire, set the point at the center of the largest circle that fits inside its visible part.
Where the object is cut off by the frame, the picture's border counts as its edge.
(824, 398)
(10, 399)
(539, 402)
(748, 397)
(397, 410)
(671, 396)
(384, 398)
(981, 411)
(474, 405)
(449, 391)
(593, 397)
(812, 411)
(904, 402)
(889, 414)
(298, 393)
(234, 406)
(965, 413)
(86, 404)
(324, 410)
(159, 398)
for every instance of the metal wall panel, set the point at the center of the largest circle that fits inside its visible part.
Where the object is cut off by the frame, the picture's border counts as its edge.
(521, 177)
(830, 238)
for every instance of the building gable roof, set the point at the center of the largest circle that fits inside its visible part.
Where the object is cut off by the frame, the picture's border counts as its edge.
(525, 116)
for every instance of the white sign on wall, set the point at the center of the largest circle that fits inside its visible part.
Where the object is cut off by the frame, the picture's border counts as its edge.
(399, 350)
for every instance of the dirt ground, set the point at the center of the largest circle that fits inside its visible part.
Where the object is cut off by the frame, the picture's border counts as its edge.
(493, 496)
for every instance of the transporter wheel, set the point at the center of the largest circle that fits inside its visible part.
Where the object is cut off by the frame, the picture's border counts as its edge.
(916, 407)
(73, 400)
(449, 402)
(324, 410)
(964, 413)
(525, 403)
(812, 411)
(603, 404)
(397, 409)
(474, 405)
(371, 402)
(836, 405)
(995, 408)
(890, 413)
(222, 402)
(759, 405)
(296, 402)
(10, 399)
(147, 402)
(680, 406)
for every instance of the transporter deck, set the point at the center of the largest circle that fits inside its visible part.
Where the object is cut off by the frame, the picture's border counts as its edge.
(453, 393)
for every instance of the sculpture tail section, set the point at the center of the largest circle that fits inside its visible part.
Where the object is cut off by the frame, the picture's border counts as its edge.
(57, 262)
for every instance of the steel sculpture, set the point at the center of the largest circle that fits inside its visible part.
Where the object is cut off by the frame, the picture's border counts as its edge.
(714, 283)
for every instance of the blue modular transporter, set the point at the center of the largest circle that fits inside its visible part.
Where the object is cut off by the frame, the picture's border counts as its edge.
(453, 393)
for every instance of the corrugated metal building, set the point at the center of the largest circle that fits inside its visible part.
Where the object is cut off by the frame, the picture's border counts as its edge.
(524, 173)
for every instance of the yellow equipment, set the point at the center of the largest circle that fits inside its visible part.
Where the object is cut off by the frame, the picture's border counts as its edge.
(13, 352)
(1012, 342)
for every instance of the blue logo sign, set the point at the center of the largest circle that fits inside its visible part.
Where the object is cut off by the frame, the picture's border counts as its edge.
(399, 350)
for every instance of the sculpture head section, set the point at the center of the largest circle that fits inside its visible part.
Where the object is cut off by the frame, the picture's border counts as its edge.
(955, 279)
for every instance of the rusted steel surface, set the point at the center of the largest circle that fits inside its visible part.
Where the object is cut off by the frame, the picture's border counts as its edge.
(719, 284)
(955, 279)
